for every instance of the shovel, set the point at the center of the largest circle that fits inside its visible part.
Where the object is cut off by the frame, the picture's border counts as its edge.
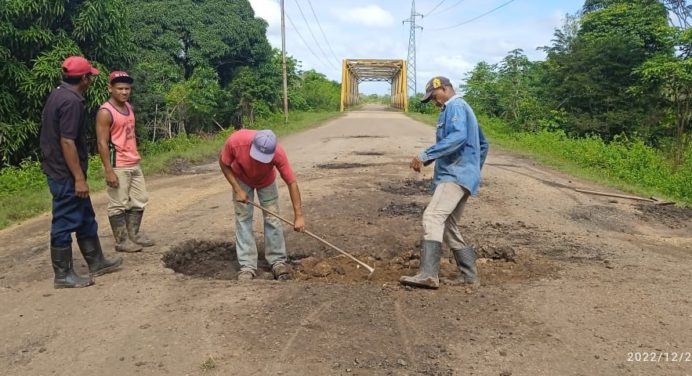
(366, 266)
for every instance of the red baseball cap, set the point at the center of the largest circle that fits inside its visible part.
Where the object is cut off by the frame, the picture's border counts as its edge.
(75, 66)
(119, 76)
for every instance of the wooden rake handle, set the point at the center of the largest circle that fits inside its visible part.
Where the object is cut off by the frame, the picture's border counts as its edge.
(306, 232)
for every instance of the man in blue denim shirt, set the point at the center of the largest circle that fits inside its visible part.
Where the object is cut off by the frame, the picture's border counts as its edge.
(459, 154)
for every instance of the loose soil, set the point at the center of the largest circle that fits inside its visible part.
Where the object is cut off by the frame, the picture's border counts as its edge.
(672, 216)
(571, 283)
(394, 209)
(409, 187)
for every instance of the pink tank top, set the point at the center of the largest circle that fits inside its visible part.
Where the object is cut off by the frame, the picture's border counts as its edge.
(123, 143)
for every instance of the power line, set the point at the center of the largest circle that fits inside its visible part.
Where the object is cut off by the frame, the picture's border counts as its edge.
(475, 18)
(322, 31)
(303, 39)
(446, 8)
(313, 35)
(435, 7)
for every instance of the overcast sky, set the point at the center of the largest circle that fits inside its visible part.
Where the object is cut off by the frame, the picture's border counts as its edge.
(373, 29)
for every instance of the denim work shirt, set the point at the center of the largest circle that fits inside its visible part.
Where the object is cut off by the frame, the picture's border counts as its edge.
(460, 149)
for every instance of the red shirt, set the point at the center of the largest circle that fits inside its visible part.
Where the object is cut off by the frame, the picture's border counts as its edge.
(236, 154)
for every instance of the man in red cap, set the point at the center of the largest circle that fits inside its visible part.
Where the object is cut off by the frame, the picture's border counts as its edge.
(117, 145)
(65, 162)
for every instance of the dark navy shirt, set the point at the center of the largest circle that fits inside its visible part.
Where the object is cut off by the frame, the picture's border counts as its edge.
(63, 116)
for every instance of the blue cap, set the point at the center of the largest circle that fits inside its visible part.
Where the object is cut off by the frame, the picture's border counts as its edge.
(263, 146)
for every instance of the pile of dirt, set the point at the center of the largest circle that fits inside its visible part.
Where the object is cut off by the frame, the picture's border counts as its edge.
(409, 187)
(413, 209)
(341, 166)
(203, 258)
(503, 252)
(671, 216)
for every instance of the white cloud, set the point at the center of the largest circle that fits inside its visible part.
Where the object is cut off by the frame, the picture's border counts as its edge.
(369, 15)
(267, 9)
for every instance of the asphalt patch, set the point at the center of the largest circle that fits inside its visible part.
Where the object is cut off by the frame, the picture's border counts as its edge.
(413, 209)
(671, 216)
(409, 187)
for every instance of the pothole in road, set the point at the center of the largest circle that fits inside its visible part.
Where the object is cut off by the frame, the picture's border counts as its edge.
(217, 260)
(203, 258)
(340, 166)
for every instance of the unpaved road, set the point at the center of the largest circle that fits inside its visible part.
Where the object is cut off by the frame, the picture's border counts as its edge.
(594, 287)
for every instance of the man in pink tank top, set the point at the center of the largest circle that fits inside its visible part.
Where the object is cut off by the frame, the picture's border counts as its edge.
(117, 145)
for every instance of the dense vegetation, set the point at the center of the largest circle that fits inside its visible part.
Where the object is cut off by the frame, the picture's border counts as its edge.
(614, 93)
(198, 65)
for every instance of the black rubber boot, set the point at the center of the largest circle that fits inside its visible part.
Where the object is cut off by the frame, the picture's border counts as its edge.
(65, 277)
(122, 241)
(93, 254)
(429, 267)
(134, 221)
(466, 262)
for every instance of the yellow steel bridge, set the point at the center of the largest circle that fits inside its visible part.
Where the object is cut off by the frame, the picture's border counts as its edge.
(355, 71)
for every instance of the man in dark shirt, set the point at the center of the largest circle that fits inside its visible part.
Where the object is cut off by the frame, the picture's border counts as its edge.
(65, 162)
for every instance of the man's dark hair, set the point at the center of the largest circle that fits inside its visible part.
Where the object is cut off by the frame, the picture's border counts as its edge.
(74, 80)
(122, 80)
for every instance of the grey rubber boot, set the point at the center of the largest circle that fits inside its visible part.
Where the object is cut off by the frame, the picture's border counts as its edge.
(122, 241)
(134, 221)
(246, 275)
(65, 276)
(281, 271)
(466, 262)
(429, 267)
(93, 254)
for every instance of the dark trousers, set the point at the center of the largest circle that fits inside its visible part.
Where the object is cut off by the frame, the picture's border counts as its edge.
(70, 214)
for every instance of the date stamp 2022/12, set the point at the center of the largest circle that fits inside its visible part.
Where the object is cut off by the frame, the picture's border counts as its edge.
(660, 357)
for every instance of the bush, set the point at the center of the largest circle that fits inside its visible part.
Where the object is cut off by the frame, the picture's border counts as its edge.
(622, 160)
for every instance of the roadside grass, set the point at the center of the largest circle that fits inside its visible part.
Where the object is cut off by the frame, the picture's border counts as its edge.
(627, 165)
(24, 191)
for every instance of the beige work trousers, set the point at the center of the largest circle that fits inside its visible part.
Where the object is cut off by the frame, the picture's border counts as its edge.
(131, 193)
(441, 217)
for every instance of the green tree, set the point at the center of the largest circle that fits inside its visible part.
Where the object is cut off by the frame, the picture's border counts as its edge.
(35, 37)
(671, 77)
(591, 78)
(318, 92)
(192, 103)
(177, 37)
(481, 89)
(258, 91)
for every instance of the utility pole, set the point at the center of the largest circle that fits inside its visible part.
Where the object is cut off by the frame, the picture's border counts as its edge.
(283, 62)
(411, 60)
